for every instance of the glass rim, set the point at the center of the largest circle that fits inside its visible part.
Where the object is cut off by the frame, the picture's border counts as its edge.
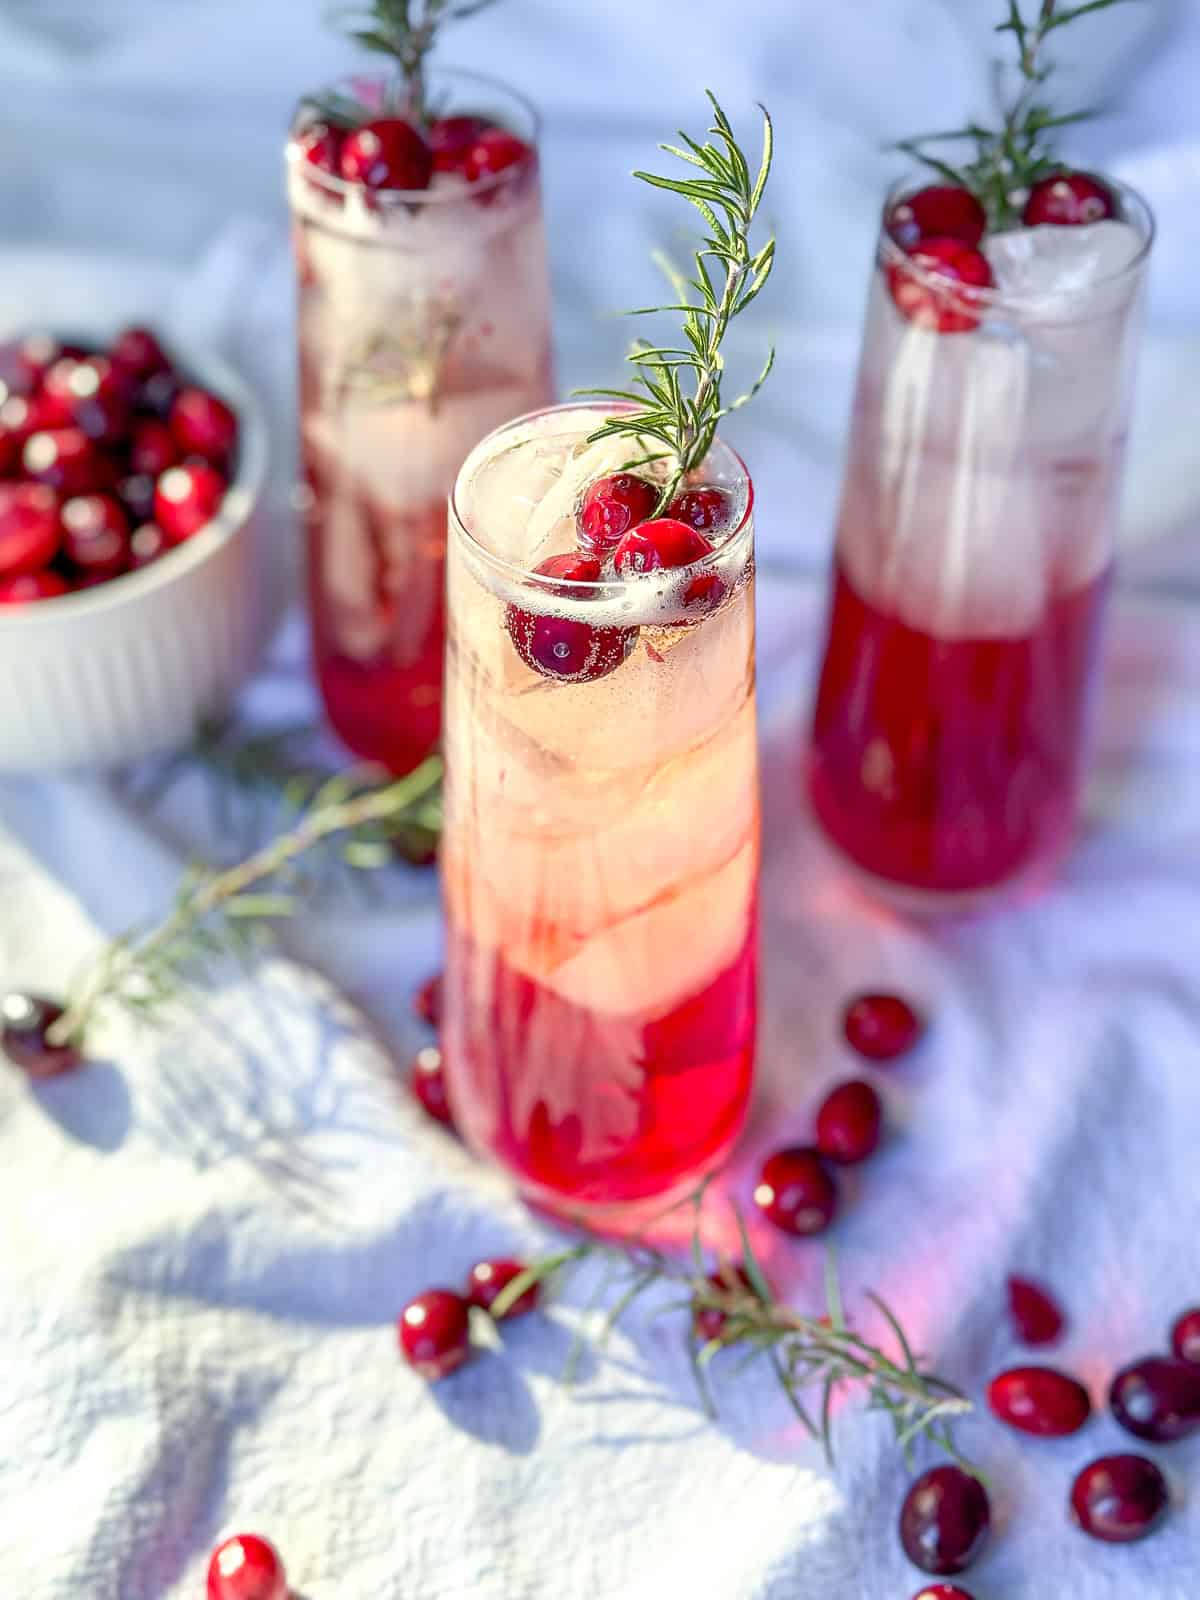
(333, 186)
(565, 588)
(1033, 307)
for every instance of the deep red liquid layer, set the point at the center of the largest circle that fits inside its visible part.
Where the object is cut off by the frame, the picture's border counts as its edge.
(952, 765)
(597, 1110)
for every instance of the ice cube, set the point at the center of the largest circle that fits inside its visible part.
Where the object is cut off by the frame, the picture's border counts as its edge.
(1050, 268)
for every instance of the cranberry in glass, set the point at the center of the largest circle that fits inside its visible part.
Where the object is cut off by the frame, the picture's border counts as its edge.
(38, 352)
(95, 536)
(795, 1192)
(428, 1082)
(655, 546)
(435, 1333)
(427, 1002)
(1040, 1401)
(881, 1027)
(1069, 200)
(1157, 1399)
(494, 151)
(388, 153)
(1185, 1336)
(203, 425)
(146, 545)
(320, 143)
(29, 530)
(942, 1591)
(703, 594)
(702, 509)
(100, 395)
(152, 447)
(30, 586)
(1035, 1314)
(487, 1279)
(849, 1122)
(451, 140)
(246, 1567)
(186, 499)
(937, 286)
(138, 353)
(66, 460)
(709, 1322)
(567, 648)
(56, 395)
(940, 211)
(25, 1020)
(20, 416)
(610, 507)
(1119, 1498)
(944, 1520)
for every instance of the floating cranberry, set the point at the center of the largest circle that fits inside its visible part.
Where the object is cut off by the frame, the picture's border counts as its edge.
(1119, 1498)
(496, 150)
(1036, 1316)
(940, 211)
(658, 545)
(1157, 1399)
(427, 1002)
(152, 447)
(567, 648)
(30, 586)
(942, 1591)
(704, 593)
(849, 1122)
(138, 353)
(388, 153)
(709, 1322)
(435, 1333)
(1185, 1336)
(203, 425)
(702, 509)
(320, 143)
(95, 536)
(1040, 1401)
(428, 1082)
(938, 285)
(795, 1192)
(29, 531)
(1069, 200)
(610, 507)
(881, 1027)
(451, 140)
(944, 1520)
(146, 545)
(186, 499)
(487, 1279)
(25, 1020)
(246, 1567)
(66, 460)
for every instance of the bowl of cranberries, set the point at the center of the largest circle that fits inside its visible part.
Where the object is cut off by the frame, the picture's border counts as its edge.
(129, 476)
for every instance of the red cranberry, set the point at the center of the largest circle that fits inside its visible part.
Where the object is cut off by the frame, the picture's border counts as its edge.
(705, 592)
(387, 154)
(29, 532)
(944, 1520)
(435, 1333)
(95, 536)
(20, 416)
(152, 448)
(56, 394)
(849, 1121)
(246, 1567)
(1185, 1336)
(203, 425)
(1119, 1498)
(937, 286)
(157, 394)
(25, 1019)
(1035, 1315)
(99, 394)
(30, 586)
(451, 140)
(186, 499)
(701, 509)
(942, 1591)
(488, 1278)
(428, 1083)
(881, 1026)
(795, 1192)
(709, 1322)
(138, 354)
(38, 352)
(940, 211)
(320, 143)
(610, 507)
(1040, 1401)
(1069, 200)
(565, 647)
(653, 546)
(427, 1002)
(146, 545)
(66, 460)
(1157, 1399)
(494, 151)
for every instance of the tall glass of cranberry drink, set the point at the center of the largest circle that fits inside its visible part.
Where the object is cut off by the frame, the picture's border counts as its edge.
(975, 545)
(424, 322)
(601, 842)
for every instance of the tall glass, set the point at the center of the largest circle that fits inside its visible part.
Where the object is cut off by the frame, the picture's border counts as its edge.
(424, 322)
(601, 843)
(973, 559)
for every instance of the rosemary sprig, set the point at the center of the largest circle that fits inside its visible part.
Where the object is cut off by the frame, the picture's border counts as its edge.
(728, 276)
(406, 31)
(807, 1354)
(217, 915)
(1010, 159)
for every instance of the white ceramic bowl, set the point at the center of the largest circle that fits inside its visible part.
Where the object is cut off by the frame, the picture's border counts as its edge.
(134, 666)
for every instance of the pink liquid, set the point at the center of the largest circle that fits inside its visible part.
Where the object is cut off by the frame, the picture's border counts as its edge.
(590, 1108)
(952, 765)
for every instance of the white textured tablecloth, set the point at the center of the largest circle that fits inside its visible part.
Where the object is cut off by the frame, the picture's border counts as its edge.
(205, 1239)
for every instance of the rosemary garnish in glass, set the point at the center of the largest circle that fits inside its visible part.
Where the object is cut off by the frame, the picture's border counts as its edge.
(405, 31)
